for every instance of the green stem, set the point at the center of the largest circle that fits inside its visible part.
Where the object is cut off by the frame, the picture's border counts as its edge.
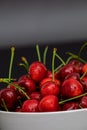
(83, 74)
(4, 104)
(18, 87)
(38, 53)
(69, 59)
(11, 62)
(76, 57)
(58, 67)
(73, 98)
(25, 63)
(53, 61)
(45, 53)
(60, 59)
(81, 49)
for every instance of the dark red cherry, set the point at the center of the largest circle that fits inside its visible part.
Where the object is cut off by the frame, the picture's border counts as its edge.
(71, 88)
(83, 102)
(35, 95)
(30, 106)
(27, 83)
(70, 106)
(37, 71)
(74, 76)
(49, 103)
(78, 65)
(9, 97)
(50, 88)
(65, 70)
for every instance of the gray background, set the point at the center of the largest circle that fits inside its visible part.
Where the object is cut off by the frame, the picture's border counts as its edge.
(42, 21)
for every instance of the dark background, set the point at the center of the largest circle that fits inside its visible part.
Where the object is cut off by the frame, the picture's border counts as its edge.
(25, 23)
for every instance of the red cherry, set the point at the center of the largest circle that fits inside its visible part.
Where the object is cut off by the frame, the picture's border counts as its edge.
(30, 105)
(47, 80)
(84, 68)
(49, 103)
(10, 98)
(74, 76)
(18, 109)
(35, 95)
(65, 70)
(70, 106)
(27, 83)
(37, 71)
(50, 88)
(71, 88)
(83, 102)
(84, 82)
(78, 65)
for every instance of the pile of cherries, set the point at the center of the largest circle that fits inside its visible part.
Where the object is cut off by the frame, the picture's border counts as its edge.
(42, 90)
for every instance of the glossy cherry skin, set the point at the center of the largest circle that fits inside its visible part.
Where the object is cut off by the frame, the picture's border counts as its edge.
(84, 82)
(27, 83)
(47, 79)
(83, 102)
(49, 103)
(30, 106)
(35, 95)
(65, 70)
(70, 106)
(50, 88)
(71, 88)
(78, 65)
(74, 76)
(37, 71)
(84, 69)
(9, 96)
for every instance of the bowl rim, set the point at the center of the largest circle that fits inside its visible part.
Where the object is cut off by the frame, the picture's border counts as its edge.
(43, 113)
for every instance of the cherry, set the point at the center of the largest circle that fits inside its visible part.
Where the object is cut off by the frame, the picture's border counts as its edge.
(74, 76)
(27, 83)
(65, 70)
(18, 109)
(84, 68)
(47, 79)
(71, 88)
(37, 71)
(50, 88)
(8, 98)
(84, 82)
(78, 65)
(35, 95)
(30, 106)
(49, 103)
(83, 102)
(70, 106)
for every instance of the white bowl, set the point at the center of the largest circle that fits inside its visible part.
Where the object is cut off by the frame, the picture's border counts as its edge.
(65, 120)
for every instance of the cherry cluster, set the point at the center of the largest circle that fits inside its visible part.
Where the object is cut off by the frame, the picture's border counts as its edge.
(42, 90)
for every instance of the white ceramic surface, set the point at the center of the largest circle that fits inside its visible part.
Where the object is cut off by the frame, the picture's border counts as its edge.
(67, 120)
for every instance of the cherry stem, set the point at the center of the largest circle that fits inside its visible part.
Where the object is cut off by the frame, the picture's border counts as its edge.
(45, 53)
(25, 64)
(11, 62)
(81, 49)
(73, 98)
(60, 59)
(83, 74)
(53, 61)
(18, 87)
(69, 59)
(38, 53)
(58, 67)
(4, 104)
(76, 57)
